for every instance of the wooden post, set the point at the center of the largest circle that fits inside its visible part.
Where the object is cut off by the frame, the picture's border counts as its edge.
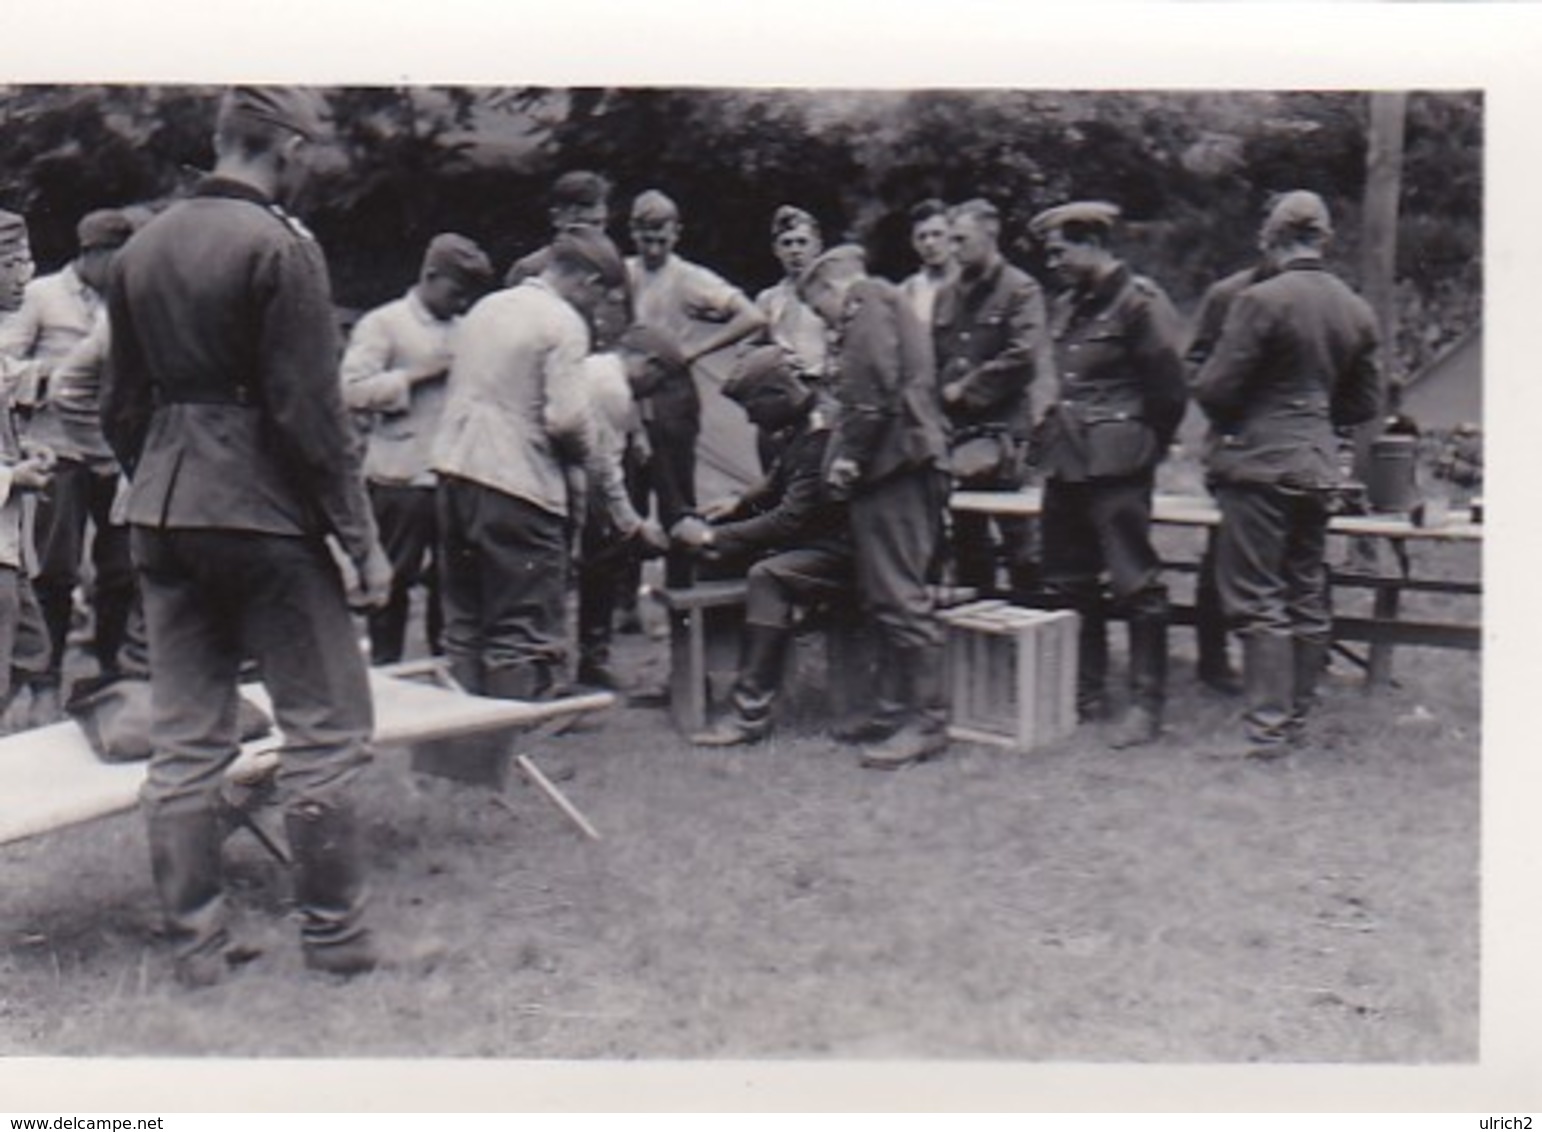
(1378, 241)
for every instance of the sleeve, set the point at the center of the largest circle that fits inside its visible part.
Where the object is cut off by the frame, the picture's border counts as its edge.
(1158, 346)
(709, 297)
(566, 413)
(1006, 375)
(370, 381)
(297, 352)
(1358, 396)
(1222, 385)
(786, 521)
(75, 386)
(126, 404)
(1208, 320)
(20, 374)
(872, 368)
(6, 479)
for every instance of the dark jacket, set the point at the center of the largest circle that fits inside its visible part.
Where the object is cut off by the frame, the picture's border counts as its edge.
(1210, 318)
(988, 333)
(789, 508)
(1122, 393)
(222, 400)
(1296, 360)
(890, 417)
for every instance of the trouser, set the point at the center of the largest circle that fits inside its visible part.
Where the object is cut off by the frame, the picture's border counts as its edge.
(408, 534)
(603, 562)
(634, 465)
(75, 494)
(672, 476)
(23, 636)
(782, 583)
(502, 568)
(1271, 561)
(1210, 628)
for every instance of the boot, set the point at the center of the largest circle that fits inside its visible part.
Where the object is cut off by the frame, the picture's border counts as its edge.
(925, 734)
(754, 691)
(1215, 669)
(594, 667)
(185, 862)
(1310, 661)
(888, 711)
(1092, 663)
(1142, 724)
(1269, 677)
(329, 888)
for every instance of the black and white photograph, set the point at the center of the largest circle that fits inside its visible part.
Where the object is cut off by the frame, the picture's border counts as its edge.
(780, 572)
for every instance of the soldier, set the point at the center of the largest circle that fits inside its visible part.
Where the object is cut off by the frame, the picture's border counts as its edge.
(1122, 396)
(701, 313)
(223, 406)
(930, 236)
(988, 327)
(59, 313)
(1296, 360)
(791, 535)
(888, 457)
(394, 370)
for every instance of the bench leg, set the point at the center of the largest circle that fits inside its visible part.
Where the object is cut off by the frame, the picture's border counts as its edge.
(1378, 673)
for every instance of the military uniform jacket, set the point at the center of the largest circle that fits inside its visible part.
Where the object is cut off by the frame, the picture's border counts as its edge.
(222, 401)
(1122, 393)
(890, 416)
(1296, 359)
(790, 507)
(987, 333)
(1210, 319)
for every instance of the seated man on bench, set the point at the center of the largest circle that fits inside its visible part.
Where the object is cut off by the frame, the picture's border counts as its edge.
(791, 536)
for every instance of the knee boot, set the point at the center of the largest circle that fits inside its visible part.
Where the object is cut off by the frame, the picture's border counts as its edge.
(1310, 660)
(888, 710)
(1215, 669)
(1092, 662)
(329, 887)
(925, 733)
(185, 862)
(1148, 682)
(1268, 673)
(754, 691)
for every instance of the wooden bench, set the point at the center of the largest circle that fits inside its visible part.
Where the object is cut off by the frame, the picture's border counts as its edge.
(705, 624)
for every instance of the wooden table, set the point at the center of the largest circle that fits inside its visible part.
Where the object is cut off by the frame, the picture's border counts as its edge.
(1383, 631)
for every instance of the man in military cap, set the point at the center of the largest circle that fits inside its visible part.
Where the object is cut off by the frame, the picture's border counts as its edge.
(394, 371)
(60, 311)
(795, 241)
(23, 641)
(701, 313)
(516, 417)
(888, 457)
(786, 530)
(988, 329)
(1297, 359)
(223, 406)
(1122, 395)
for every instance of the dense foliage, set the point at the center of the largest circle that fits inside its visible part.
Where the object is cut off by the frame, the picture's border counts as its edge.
(1191, 169)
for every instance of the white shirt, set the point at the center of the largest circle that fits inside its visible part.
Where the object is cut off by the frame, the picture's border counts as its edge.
(57, 311)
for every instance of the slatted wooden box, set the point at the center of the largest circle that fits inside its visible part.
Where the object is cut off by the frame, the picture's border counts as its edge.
(1011, 674)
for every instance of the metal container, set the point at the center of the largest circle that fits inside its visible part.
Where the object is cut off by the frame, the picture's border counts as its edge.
(1390, 482)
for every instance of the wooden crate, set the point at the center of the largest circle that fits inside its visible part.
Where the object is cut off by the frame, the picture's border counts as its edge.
(1011, 674)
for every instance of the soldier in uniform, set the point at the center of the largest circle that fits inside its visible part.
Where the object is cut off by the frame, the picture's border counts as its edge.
(1295, 361)
(988, 327)
(223, 406)
(791, 535)
(888, 457)
(1122, 395)
(394, 370)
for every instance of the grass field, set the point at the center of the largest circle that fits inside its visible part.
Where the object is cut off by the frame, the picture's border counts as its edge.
(1076, 904)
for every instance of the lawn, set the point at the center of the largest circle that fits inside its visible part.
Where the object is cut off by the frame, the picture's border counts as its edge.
(1075, 904)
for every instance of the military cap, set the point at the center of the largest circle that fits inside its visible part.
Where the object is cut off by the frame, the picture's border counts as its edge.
(1090, 213)
(294, 108)
(1298, 212)
(851, 254)
(104, 228)
(13, 234)
(593, 251)
(653, 344)
(652, 209)
(790, 216)
(458, 257)
(762, 367)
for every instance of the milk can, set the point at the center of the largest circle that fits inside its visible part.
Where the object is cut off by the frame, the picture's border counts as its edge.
(1390, 481)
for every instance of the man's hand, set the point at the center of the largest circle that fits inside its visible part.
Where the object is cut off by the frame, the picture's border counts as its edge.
(953, 393)
(692, 534)
(842, 477)
(650, 538)
(370, 586)
(31, 474)
(720, 509)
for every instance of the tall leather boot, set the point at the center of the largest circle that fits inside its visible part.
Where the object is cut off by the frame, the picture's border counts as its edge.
(1310, 661)
(754, 691)
(1269, 676)
(329, 888)
(925, 733)
(888, 715)
(1148, 682)
(185, 862)
(1091, 662)
(1214, 667)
